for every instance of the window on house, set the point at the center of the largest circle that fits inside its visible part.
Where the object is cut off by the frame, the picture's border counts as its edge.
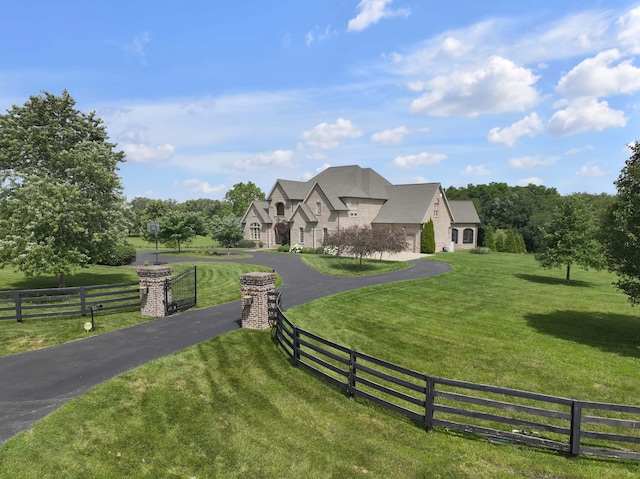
(318, 207)
(279, 209)
(325, 235)
(454, 235)
(255, 231)
(353, 209)
(301, 230)
(467, 236)
(436, 205)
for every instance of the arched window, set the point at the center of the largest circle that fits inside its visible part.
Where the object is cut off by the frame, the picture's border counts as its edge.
(280, 209)
(255, 231)
(467, 236)
(454, 235)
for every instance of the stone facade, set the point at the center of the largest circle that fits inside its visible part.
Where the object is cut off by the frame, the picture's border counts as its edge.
(152, 285)
(255, 299)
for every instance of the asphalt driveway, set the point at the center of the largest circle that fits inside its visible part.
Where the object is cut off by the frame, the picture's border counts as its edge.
(35, 383)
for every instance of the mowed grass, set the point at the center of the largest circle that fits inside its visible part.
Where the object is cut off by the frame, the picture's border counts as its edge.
(235, 407)
(197, 242)
(218, 283)
(340, 266)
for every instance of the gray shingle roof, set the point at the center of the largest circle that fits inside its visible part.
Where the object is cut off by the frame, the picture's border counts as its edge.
(464, 211)
(352, 181)
(403, 205)
(262, 207)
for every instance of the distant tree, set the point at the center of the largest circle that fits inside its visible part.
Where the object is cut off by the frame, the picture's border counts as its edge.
(428, 238)
(207, 207)
(621, 232)
(179, 226)
(238, 199)
(570, 237)
(226, 231)
(154, 211)
(61, 201)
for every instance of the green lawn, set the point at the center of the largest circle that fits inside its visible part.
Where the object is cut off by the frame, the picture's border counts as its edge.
(335, 266)
(201, 242)
(235, 407)
(218, 283)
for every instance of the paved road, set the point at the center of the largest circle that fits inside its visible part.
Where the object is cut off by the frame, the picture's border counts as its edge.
(35, 383)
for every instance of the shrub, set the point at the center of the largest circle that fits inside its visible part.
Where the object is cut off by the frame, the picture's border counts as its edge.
(246, 244)
(320, 250)
(308, 251)
(119, 254)
(284, 248)
(295, 248)
(428, 238)
(332, 250)
(261, 244)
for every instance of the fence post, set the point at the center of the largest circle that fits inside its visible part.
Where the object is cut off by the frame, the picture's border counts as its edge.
(83, 305)
(352, 373)
(296, 346)
(18, 303)
(428, 404)
(576, 421)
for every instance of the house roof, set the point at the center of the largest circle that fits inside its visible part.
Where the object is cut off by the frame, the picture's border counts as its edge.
(352, 182)
(293, 190)
(402, 205)
(262, 209)
(464, 212)
(306, 211)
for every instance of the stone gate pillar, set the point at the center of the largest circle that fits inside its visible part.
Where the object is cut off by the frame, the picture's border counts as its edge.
(255, 303)
(152, 280)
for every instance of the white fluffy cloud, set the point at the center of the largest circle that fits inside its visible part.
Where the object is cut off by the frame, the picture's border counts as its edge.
(530, 125)
(629, 34)
(199, 186)
(411, 161)
(371, 12)
(585, 114)
(478, 170)
(497, 86)
(281, 158)
(590, 170)
(527, 162)
(143, 153)
(392, 136)
(597, 77)
(327, 136)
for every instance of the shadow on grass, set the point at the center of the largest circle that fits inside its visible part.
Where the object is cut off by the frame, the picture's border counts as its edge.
(79, 279)
(614, 333)
(534, 278)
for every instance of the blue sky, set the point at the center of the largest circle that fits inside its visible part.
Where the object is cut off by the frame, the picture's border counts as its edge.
(205, 94)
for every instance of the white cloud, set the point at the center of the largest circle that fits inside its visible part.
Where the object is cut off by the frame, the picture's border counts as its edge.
(530, 125)
(327, 136)
(596, 77)
(575, 151)
(478, 170)
(527, 162)
(317, 35)
(392, 136)
(141, 153)
(454, 47)
(497, 86)
(585, 114)
(590, 170)
(137, 45)
(534, 180)
(629, 34)
(371, 12)
(411, 161)
(199, 186)
(281, 158)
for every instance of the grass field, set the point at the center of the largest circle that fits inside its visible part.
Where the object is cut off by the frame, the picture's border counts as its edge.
(336, 266)
(234, 407)
(197, 242)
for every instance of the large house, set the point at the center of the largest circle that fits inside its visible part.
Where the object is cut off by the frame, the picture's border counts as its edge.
(344, 196)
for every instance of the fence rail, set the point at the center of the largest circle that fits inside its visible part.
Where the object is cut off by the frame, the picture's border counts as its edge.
(502, 414)
(43, 303)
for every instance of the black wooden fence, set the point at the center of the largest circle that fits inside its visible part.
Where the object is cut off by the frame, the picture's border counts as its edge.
(42, 303)
(503, 415)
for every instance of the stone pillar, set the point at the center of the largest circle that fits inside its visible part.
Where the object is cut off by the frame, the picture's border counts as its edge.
(255, 301)
(152, 280)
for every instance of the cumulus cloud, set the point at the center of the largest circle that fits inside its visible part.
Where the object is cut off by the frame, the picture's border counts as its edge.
(497, 86)
(371, 12)
(629, 33)
(534, 180)
(478, 170)
(142, 153)
(327, 136)
(597, 77)
(590, 170)
(281, 158)
(530, 125)
(454, 47)
(390, 137)
(199, 186)
(585, 114)
(527, 162)
(411, 161)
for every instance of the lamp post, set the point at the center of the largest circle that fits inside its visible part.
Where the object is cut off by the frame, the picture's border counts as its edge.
(154, 229)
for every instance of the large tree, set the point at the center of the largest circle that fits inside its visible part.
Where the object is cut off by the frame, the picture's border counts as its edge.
(621, 232)
(61, 201)
(570, 237)
(178, 226)
(226, 231)
(238, 199)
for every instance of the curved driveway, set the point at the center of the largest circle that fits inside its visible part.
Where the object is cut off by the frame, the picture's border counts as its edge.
(35, 383)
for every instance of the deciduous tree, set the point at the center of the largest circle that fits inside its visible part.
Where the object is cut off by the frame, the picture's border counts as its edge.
(61, 201)
(226, 231)
(178, 226)
(238, 198)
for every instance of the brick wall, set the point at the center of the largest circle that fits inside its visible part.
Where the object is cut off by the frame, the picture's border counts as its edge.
(255, 299)
(152, 280)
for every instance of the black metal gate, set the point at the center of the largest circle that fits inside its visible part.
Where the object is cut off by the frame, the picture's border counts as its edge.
(180, 292)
